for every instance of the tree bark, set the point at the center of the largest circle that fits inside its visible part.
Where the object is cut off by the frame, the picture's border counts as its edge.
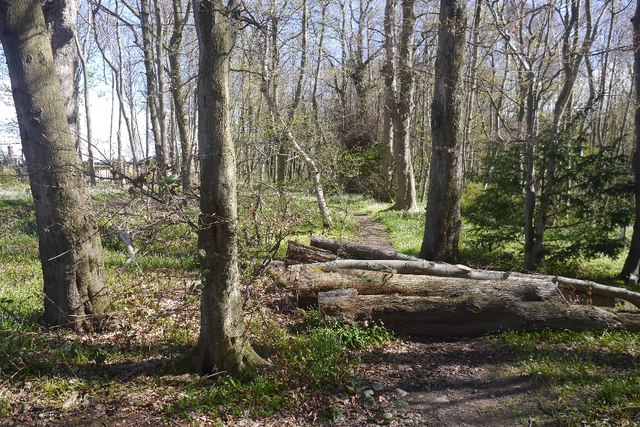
(69, 242)
(572, 56)
(631, 269)
(389, 105)
(422, 267)
(178, 93)
(162, 155)
(61, 20)
(443, 222)
(82, 52)
(222, 344)
(401, 116)
(298, 253)
(472, 314)
(353, 250)
(309, 281)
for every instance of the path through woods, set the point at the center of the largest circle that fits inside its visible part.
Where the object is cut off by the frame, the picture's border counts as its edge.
(462, 382)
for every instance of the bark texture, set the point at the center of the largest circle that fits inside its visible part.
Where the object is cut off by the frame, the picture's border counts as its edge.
(472, 314)
(161, 145)
(178, 93)
(222, 344)
(352, 250)
(309, 281)
(61, 20)
(298, 253)
(442, 224)
(401, 115)
(70, 249)
(631, 269)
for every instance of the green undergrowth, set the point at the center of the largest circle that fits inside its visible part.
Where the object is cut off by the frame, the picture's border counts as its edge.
(143, 347)
(593, 378)
(315, 359)
(406, 232)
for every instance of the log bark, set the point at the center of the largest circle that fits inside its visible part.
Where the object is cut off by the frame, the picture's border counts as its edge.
(352, 250)
(297, 253)
(471, 314)
(449, 270)
(309, 281)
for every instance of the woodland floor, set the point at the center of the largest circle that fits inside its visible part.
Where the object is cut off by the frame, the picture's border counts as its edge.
(470, 382)
(467, 382)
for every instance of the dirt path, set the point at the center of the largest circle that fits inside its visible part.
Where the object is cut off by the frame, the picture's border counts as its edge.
(372, 233)
(443, 383)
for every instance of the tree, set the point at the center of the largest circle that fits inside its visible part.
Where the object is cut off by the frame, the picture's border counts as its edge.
(61, 21)
(178, 92)
(442, 225)
(631, 269)
(402, 112)
(222, 343)
(70, 249)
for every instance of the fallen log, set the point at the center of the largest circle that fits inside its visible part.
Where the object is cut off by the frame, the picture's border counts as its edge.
(310, 281)
(440, 269)
(352, 250)
(471, 314)
(297, 253)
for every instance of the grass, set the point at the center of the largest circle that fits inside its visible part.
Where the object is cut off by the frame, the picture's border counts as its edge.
(154, 322)
(141, 361)
(591, 376)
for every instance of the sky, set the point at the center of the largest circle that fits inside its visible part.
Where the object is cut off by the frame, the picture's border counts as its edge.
(100, 114)
(100, 108)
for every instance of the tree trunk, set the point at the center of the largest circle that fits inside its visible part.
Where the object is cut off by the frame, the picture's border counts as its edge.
(162, 155)
(472, 87)
(572, 57)
(69, 242)
(389, 105)
(442, 269)
(353, 250)
(223, 344)
(401, 116)
(178, 93)
(61, 20)
(442, 225)
(160, 65)
(298, 253)
(631, 269)
(463, 314)
(82, 54)
(309, 281)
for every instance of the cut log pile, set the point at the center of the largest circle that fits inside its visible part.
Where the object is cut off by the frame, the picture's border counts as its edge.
(432, 299)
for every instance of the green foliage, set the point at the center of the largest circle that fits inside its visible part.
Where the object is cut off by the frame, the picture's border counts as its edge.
(589, 205)
(317, 359)
(258, 396)
(405, 229)
(360, 173)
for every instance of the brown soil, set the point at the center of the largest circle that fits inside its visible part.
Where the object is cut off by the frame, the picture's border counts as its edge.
(443, 382)
(372, 233)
